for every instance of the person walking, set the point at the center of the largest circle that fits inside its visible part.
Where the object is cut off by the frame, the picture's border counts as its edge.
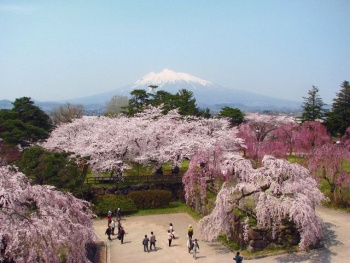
(171, 229)
(119, 226)
(145, 244)
(195, 248)
(189, 244)
(121, 234)
(170, 237)
(108, 233)
(190, 231)
(238, 258)
(153, 242)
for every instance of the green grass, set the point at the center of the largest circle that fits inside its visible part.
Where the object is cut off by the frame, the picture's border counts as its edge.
(174, 207)
(295, 159)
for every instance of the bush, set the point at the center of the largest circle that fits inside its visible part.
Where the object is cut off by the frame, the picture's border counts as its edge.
(151, 198)
(105, 203)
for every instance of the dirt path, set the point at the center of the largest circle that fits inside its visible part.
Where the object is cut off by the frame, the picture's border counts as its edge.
(337, 241)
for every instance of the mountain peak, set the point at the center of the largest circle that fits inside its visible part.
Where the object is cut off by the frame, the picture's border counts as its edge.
(168, 76)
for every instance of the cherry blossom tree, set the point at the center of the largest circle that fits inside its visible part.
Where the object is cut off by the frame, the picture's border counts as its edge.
(149, 136)
(258, 132)
(346, 138)
(41, 224)
(285, 139)
(204, 167)
(327, 165)
(276, 192)
(311, 135)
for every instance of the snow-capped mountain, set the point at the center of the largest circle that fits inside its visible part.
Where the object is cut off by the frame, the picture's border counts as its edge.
(207, 94)
(168, 76)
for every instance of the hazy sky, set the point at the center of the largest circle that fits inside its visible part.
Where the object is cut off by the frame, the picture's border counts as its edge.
(54, 50)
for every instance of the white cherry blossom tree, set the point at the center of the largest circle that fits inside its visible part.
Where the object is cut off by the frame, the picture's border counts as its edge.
(277, 191)
(150, 136)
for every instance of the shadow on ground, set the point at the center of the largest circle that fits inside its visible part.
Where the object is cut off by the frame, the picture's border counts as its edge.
(317, 255)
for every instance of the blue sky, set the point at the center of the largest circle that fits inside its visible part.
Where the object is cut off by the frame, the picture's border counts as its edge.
(56, 50)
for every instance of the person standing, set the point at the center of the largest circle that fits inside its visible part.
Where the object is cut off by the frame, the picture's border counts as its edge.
(195, 248)
(112, 225)
(145, 244)
(121, 234)
(109, 218)
(153, 242)
(190, 231)
(108, 233)
(238, 258)
(170, 237)
(189, 244)
(119, 214)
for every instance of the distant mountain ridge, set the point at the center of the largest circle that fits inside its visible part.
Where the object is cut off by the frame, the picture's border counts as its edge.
(207, 94)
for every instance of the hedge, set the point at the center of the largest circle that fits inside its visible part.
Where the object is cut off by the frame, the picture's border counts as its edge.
(151, 198)
(104, 203)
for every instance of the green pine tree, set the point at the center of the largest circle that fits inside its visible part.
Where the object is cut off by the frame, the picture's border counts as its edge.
(312, 106)
(339, 117)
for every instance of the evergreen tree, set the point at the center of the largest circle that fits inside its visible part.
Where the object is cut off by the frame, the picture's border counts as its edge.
(25, 123)
(139, 99)
(52, 168)
(235, 115)
(339, 118)
(312, 106)
(182, 100)
(186, 103)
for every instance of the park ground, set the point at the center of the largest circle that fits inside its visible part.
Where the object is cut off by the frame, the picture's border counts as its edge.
(336, 241)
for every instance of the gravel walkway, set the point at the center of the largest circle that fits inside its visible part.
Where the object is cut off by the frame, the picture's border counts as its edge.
(337, 241)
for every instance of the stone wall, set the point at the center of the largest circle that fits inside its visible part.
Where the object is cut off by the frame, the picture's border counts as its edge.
(260, 238)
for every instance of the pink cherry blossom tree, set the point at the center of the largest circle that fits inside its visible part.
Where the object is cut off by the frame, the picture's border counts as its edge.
(328, 166)
(41, 224)
(284, 140)
(258, 132)
(311, 135)
(346, 138)
(271, 194)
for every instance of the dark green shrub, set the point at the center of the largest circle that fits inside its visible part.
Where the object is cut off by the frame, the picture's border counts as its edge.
(105, 203)
(151, 198)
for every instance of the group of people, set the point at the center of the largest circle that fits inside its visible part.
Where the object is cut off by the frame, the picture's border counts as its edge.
(152, 240)
(192, 245)
(111, 226)
(149, 242)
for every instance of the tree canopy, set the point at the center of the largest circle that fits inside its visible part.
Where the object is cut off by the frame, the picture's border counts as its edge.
(52, 168)
(235, 115)
(338, 119)
(25, 123)
(41, 224)
(67, 113)
(183, 100)
(147, 137)
(273, 194)
(116, 105)
(312, 106)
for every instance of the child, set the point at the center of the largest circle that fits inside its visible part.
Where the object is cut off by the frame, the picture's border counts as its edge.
(238, 258)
